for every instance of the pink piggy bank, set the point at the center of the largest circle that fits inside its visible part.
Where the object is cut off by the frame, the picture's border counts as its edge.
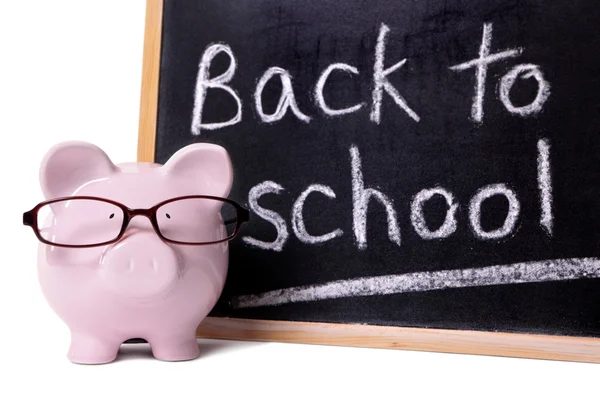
(136, 250)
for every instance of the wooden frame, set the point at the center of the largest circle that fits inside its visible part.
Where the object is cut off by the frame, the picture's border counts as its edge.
(150, 79)
(535, 346)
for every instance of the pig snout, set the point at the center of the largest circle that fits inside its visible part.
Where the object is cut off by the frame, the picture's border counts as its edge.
(140, 266)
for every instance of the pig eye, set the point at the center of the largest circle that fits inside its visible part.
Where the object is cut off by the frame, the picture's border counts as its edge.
(111, 216)
(168, 216)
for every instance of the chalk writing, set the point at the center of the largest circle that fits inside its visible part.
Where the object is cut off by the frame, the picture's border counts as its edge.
(481, 65)
(274, 218)
(514, 207)
(527, 272)
(360, 203)
(545, 185)
(204, 83)
(381, 82)
(362, 197)
(298, 219)
(286, 100)
(380, 85)
(417, 216)
(320, 99)
(525, 71)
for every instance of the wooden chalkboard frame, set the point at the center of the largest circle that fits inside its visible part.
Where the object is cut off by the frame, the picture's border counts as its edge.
(560, 348)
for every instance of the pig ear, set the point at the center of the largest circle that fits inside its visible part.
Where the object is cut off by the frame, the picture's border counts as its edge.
(208, 167)
(69, 165)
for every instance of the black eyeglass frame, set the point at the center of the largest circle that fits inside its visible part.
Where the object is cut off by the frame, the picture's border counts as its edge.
(30, 218)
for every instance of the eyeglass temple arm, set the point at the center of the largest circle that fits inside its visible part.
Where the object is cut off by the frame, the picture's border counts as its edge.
(27, 218)
(243, 216)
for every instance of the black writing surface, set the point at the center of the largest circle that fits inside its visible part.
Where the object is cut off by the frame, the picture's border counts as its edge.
(407, 163)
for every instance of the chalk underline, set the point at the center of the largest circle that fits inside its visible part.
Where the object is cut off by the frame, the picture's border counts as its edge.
(525, 272)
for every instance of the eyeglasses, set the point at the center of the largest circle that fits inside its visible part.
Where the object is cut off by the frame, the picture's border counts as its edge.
(86, 221)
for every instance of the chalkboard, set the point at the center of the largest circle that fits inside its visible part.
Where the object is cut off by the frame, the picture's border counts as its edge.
(413, 168)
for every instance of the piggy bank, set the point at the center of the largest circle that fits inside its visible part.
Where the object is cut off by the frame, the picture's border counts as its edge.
(134, 250)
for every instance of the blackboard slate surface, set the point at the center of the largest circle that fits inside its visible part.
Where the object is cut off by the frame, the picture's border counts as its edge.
(399, 156)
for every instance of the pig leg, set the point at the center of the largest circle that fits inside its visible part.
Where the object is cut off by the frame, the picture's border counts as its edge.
(90, 349)
(175, 347)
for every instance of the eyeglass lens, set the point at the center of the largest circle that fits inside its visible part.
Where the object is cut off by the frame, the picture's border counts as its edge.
(80, 222)
(196, 220)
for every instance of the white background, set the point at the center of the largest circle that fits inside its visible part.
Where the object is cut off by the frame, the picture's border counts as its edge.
(72, 70)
